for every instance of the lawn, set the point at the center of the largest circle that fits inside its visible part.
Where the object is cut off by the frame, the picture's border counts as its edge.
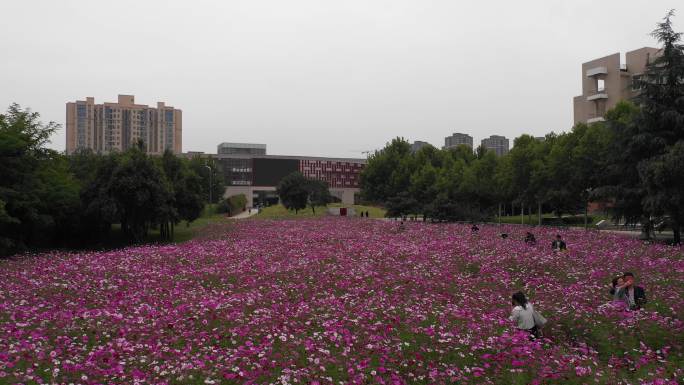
(578, 220)
(342, 300)
(183, 232)
(280, 212)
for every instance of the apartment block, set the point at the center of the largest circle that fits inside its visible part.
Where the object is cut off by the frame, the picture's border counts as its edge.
(606, 81)
(418, 144)
(456, 139)
(497, 143)
(118, 126)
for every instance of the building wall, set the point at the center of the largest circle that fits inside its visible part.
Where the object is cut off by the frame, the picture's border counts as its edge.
(346, 195)
(498, 144)
(457, 139)
(617, 79)
(117, 126)
(253, 175)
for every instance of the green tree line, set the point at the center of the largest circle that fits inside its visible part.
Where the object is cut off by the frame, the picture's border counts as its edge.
(632, 162)
(48, 199)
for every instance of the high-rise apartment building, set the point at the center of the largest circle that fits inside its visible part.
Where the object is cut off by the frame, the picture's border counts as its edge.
(418, 144)
(456, 139)
(606, 81)
(497, 143)
(118, 126)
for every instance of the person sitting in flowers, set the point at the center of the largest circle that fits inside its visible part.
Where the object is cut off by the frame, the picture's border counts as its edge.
(635, 295)
(618, 289)
(530, 239)
(524, 315)
(559, 244)
(474, 229)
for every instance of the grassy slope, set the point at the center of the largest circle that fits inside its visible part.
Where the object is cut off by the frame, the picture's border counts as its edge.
(280, 212)
(182, 232)
(515, 219)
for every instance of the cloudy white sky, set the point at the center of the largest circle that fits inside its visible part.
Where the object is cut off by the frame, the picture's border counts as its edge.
(319, 77)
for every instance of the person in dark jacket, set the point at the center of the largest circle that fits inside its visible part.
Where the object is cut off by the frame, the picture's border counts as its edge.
(635, 295)
(530, 239)
(559, 244)
(474, 228)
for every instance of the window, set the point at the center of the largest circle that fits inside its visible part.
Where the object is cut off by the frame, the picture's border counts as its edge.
(600, 85)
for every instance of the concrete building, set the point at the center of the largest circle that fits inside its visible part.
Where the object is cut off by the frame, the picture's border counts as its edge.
(258, 175)
(118, 126)
(606, 81)
(497, 143)
(417, 145)
(241, 149)
(457, 139)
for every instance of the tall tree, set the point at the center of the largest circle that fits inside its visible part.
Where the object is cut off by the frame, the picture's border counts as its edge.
(387, 172)
(142, 195)
(661, 127)
(293, 193)
(318, 193)
(39, 197)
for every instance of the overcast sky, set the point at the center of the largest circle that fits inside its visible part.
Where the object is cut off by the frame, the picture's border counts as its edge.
(324, 78)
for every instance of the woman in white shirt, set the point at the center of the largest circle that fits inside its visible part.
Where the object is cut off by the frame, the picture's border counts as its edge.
(523, 314)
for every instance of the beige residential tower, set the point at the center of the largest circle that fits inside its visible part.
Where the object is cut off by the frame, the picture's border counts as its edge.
(118, 126)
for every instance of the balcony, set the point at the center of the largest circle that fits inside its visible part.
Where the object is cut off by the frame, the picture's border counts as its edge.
(598, 94)
(597, 71)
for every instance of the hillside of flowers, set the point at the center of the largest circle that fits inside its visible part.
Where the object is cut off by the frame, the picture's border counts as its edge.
(342, 301)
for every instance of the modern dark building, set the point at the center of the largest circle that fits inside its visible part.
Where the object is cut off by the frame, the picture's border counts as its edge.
(257, 175)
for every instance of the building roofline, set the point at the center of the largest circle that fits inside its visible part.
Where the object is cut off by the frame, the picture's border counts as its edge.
(296, 157)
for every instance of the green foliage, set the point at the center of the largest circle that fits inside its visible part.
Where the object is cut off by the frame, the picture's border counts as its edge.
(297, 191)
(210, 175)
(38, 196)
(631, 161)
(49, 199)
(233, 204)
(292, 191)
(318, 194)
(644, 176)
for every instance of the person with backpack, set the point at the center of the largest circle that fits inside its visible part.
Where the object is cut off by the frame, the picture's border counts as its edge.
(525, 317)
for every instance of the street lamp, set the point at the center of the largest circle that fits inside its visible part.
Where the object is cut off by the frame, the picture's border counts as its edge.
(207, 166)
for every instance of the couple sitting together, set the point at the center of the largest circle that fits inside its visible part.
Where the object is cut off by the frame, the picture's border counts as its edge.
(625, 291)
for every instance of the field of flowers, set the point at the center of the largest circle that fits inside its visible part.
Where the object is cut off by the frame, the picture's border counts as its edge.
(336, 301)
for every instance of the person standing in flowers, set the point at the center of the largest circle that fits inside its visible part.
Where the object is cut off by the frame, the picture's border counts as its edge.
(559, 244)
(524, 315)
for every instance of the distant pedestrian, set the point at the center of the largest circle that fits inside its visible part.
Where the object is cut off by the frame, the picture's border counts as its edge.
(366, 213)
(559, 244)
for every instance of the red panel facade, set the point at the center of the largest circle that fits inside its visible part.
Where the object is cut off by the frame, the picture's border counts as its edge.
(337, 174)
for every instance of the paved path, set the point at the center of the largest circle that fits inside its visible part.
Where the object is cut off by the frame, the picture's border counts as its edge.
(245, 214)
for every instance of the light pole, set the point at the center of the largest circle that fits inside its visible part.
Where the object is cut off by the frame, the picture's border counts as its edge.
(207, 166)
